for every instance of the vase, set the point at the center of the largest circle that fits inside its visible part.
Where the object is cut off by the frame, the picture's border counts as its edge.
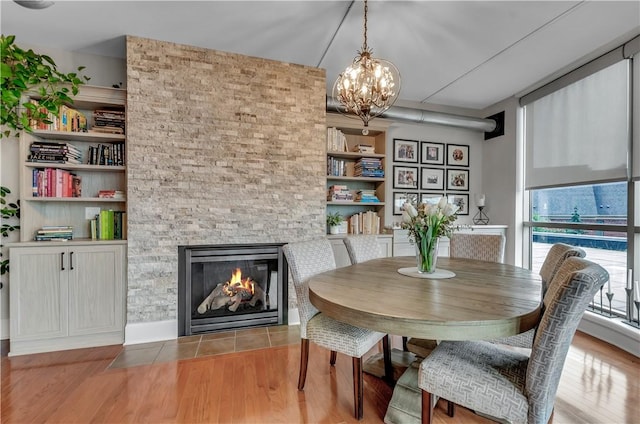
(427, 255)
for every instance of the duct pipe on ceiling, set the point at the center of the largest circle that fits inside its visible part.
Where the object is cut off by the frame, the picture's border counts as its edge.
(419, 116)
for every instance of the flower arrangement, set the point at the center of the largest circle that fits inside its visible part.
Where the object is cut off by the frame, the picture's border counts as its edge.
(426, 223)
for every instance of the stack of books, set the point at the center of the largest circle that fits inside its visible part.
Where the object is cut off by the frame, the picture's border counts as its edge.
(55, 182)
(68, 119)
(367, 196)
(339, 193)
(364, 148)
(108, 121)
(109, 225)
(54, 233)
(54, 152)
(364, 223)
(336, 140)
(337, 167)
(369, 167)
(111, 194)
(106, 154)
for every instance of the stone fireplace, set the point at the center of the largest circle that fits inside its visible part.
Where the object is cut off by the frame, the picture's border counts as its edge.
(224, 287)
(222, 149)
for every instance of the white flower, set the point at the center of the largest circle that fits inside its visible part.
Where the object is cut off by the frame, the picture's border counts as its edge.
(443, 202)
(410, 209)
(450, 209)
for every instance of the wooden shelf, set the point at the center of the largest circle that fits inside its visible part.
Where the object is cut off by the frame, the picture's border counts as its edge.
(365, 179)
(355, 203)
(74, 166)
(94, 137)
(75, 199)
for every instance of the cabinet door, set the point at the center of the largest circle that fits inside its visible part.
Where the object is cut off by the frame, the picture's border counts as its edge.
(38, 292)
(96, 286)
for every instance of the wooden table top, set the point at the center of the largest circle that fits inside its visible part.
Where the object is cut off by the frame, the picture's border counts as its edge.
(484, 300)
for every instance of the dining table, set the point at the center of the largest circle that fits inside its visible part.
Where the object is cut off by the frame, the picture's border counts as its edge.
(465, 299)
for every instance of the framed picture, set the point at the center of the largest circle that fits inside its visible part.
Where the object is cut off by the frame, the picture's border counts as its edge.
(399, 199)
(432, 153)
(461, 201)
(430, 198)
(457, 155)
(405, 177)
(458, 179)
(405, 150)
(432, 179)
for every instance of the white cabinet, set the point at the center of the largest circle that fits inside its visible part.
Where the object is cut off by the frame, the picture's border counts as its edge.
(342, 256)
(66, 296)
(403, 247)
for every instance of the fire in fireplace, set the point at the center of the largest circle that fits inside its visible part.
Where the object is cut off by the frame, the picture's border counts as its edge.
(223, 287)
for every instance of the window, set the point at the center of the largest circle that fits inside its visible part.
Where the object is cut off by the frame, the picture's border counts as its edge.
(579, 180)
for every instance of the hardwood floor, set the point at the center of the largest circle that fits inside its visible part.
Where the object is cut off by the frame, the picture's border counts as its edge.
(600, 384)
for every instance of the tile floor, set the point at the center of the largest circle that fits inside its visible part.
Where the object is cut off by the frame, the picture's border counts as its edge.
(205, 345)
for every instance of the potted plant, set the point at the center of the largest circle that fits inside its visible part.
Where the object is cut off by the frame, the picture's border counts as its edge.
(24, 71)
(333, 221)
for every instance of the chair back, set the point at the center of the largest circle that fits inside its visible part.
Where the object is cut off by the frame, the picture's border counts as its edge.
(558, 253)
(484, 247)
(568, 295)
(362, 248)
(306, 259)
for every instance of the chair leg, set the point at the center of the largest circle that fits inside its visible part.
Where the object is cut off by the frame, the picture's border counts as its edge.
(427, 411)
(450, 408)
(388, 366)
(304, 360)
(358, 392)
(332, 360)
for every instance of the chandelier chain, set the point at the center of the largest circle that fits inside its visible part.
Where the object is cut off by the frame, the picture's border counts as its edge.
(366, 8)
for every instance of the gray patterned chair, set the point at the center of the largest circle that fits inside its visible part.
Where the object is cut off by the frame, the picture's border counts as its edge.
(307, 259)
(483, 247)
(505, 383)
(362, 248)
(556, 256)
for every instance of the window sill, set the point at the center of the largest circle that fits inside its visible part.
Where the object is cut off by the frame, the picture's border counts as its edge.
(611, 330)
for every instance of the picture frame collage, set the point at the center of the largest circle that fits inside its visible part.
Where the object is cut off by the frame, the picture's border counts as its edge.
(424, 171)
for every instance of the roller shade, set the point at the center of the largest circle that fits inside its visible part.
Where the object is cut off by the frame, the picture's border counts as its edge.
(579, 134)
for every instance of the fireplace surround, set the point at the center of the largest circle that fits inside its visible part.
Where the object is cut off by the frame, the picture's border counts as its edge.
(225, 287)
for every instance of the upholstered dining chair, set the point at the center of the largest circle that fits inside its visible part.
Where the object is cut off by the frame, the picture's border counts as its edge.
(483, 247)
(362, 248)
(554, 259)
(508, 384)
(306, 259)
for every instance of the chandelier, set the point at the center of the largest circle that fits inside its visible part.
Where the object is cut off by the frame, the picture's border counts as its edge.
(367, 87)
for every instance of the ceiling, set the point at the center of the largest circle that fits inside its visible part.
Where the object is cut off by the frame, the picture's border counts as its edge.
(468, 54)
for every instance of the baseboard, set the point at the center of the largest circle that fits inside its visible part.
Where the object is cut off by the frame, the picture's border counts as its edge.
(612, 331)
(147, 332)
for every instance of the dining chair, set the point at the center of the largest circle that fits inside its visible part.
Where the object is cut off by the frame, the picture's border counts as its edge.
(483, 247)
(508, 384)
(554, 259)
(362, 248)
(307, 259)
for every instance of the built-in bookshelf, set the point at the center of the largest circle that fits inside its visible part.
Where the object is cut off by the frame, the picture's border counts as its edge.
(356, 164)
(66, 169)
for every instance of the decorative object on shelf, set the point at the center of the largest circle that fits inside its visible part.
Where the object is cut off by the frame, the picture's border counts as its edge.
(367, 87)
(426, 224)
(480, 218)
(333, 221)
(431, 153)
(24, 71)
(34, 4)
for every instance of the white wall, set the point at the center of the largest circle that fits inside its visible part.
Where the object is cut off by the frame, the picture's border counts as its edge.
(501, 179)
(103, 71)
